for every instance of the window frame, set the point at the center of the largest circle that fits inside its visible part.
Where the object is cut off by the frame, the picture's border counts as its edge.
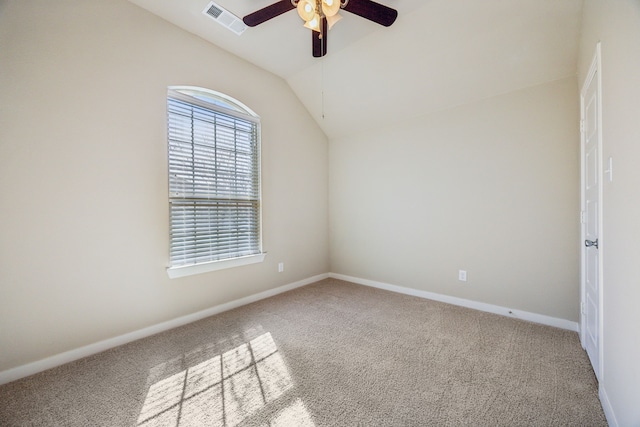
(226, 105)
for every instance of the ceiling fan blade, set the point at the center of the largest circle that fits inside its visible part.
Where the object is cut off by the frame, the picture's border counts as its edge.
(266, 13)
(372, 11)
(319, 40)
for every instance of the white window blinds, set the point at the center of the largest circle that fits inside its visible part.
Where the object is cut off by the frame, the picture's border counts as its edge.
(214, 181)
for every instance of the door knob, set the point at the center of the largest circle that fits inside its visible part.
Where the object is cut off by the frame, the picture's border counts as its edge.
(589, 243)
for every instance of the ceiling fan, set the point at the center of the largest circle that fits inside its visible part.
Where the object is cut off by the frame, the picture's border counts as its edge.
(320, 15)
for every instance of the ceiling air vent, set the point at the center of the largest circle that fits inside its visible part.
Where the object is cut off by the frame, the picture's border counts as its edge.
(225, 18)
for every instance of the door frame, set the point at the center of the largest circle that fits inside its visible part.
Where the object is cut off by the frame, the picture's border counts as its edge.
(594, 70)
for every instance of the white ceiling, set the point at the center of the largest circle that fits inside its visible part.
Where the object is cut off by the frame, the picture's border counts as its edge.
(438, 54)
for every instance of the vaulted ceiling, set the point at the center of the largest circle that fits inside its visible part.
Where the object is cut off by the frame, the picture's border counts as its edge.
(438, 54)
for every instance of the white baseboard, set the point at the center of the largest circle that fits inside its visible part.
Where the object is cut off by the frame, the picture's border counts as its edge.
(606, 407)
(504, 311)
(88, 350)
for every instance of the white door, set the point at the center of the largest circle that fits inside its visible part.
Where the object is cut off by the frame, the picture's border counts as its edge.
(591, 307)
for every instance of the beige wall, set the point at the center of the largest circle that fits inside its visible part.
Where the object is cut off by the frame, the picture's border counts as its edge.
(491, 187)
(616, 24)
(83, 181)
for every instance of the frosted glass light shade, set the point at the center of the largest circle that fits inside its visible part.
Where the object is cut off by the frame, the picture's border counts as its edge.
(307, 9)
(314, 23)
(330, 7)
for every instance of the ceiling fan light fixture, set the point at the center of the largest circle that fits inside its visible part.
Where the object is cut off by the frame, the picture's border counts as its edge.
(313, 23)
(330, 7)
(306, 9)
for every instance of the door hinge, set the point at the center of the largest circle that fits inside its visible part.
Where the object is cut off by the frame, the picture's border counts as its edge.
(581, 126)
(582, 308)
(582, 217)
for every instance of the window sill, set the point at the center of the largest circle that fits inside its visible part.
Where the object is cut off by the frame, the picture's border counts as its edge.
(189, 270)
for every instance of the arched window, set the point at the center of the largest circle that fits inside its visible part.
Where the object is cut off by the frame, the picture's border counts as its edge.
(214, 181)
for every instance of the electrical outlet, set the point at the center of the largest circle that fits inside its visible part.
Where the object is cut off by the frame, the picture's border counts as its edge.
(462, 275)
(280, 267)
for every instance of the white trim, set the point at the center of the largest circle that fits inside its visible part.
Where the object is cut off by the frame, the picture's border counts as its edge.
(206, 267)
(601, 233)
(606, 407)
(88, 350)
(247, 114)
(490, 308)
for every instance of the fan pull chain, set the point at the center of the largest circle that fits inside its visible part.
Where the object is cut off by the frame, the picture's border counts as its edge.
(322, 86)
(322, 70)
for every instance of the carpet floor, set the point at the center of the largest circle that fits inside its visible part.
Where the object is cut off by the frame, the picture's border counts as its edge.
(328, 354)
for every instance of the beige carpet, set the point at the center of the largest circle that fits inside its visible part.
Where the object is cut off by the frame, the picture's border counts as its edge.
(328, 354)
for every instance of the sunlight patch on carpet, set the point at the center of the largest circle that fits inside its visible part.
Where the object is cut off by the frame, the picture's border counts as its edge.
(225, 390)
